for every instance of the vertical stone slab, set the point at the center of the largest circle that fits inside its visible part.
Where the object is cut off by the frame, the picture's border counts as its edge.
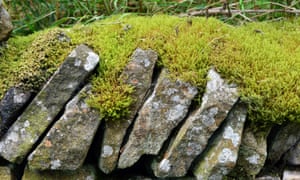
(5, 23)
(66, 145)
(138, 74)
(193, 136)
(162, 112)
(285, 138)
(253, 151)
(41, 112)
(220, 157)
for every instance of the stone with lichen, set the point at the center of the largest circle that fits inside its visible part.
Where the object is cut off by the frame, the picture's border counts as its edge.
(193, 136)
(6, 26)
(221, 155)
(138, 74)
(161, 113)
(66, 145)
(44, 108)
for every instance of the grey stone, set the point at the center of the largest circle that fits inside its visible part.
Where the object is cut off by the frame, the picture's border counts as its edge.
(286, 137)
(162, 111)
(5, 24)
(292, 157)
(193, 136)
(6, 173)
(220, 157)
(67, 143)
(291, 175)
(253, 151)
(138, 74)
(41, 112)
(11, 106)
(268, 177)
(84, 173)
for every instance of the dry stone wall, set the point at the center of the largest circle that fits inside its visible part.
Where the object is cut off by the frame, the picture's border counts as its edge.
(56, 135)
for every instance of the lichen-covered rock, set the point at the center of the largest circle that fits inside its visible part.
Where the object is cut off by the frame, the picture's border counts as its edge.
(83, 173)
(220, 157)
(292, 157)
(253, 151)
(5, 23)
(11, 106)
(162, 111)
(193, 136)
(6, 173)
(138, 74)
(24, 133)
(67, 143)
(286, 137)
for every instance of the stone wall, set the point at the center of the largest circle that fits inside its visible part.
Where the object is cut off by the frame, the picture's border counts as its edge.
(56, 135)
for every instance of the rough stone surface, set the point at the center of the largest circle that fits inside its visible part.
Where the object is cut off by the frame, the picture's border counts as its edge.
(253, 151)
(83, 173)
(291, 175)
(286, 137)
(162, 111)
(24, 133)
(138, 74)
(67, 143)
(221, 156)
(5, 23)
(268, 177)
(292, 157)
(11, 106)
(6, 173)
(192, 138)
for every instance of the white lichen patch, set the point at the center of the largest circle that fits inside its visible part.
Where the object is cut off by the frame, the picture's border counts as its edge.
(146, 62)
(55, 164)
(77, 62)
(227, 156)
(231, 135)
(26, 123)
(176, 98)
(19, 98)
(13, 136)
(91, 61)
(107, 151)
(253, 159)
(215, 81)
(208, 119)
(176, 113)
(165, 165)
(73, 53)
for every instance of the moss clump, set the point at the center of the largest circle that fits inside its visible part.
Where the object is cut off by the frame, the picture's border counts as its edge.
(29, 61)
(262, 58)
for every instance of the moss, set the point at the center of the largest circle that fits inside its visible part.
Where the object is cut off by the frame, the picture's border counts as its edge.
(262, 58)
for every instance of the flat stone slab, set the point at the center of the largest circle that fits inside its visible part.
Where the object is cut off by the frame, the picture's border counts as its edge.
(163, 110)
(221, 155)
(66, 145)
(84, 173)
(193, 136)
(6, 25)
(138, 74)
(41, 112)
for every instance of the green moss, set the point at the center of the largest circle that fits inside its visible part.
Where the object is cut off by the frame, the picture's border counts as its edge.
(262, 58)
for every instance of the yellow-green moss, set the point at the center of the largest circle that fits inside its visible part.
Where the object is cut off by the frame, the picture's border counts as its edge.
(262, 58)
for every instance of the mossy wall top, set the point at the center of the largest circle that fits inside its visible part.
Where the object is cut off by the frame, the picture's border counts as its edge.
(262, 58)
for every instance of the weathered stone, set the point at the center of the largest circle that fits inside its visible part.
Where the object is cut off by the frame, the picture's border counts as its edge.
(253, 151)
(11, 106)
(286, 137)
(5, 23)
(220, 157)
(83, 173)
(268, 177)
(193, 136)
(138, 74)
(162, 111)
(292, 157)
(291, 175)
(67, 143)
(6, 173)
(41, 112)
